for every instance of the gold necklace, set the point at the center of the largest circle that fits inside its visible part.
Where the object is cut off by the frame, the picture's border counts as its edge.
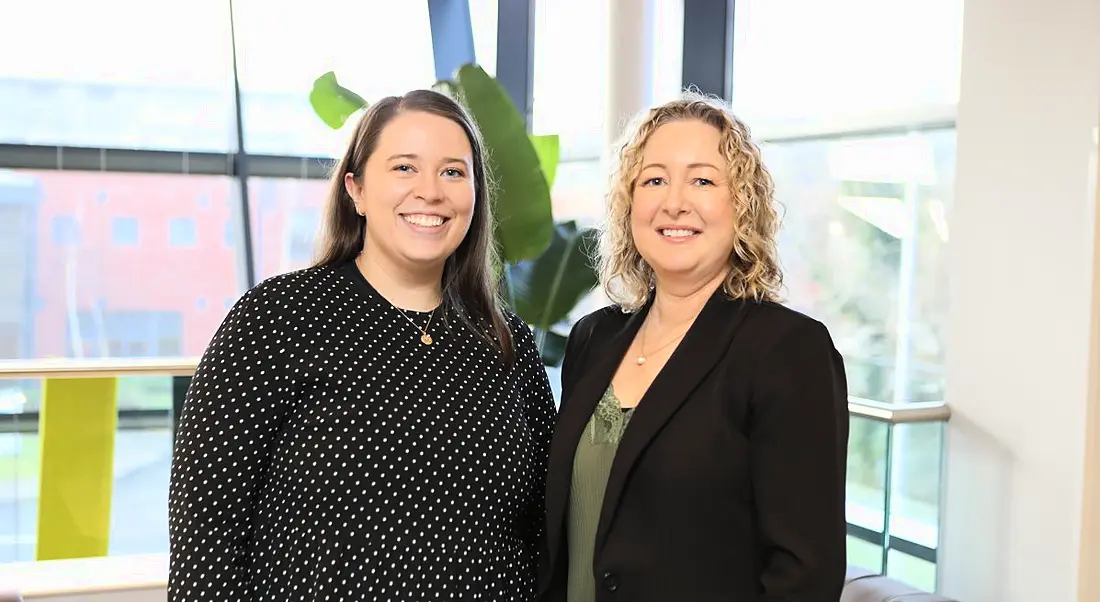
(641, 359)
(424, 336)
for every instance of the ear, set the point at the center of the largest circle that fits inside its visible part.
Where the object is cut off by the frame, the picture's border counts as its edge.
(355, 191)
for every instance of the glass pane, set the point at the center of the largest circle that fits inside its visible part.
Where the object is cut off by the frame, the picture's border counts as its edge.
(578, 192)
(143, 464)
(286, 216)
(866, 486)
(914, 509)
(117, 73)
(110, 282)
(570, 69)
(144, 393)
(864, 554)
(19, 462)
(918, 573)
(871, 210)
(868, 56)
(483, 19)
(376, 47)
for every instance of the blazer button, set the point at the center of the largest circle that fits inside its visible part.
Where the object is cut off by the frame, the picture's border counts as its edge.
(610, 582)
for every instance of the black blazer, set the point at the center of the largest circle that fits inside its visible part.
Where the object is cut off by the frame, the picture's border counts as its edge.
(729, 482)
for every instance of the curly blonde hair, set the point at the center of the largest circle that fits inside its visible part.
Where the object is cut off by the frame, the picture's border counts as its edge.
(754, 273)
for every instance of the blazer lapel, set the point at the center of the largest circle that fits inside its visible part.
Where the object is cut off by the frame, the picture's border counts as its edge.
(603, 359)
(702, 347)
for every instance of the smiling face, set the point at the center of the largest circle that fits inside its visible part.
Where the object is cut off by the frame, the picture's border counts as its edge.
(682, 215)
(417, 191)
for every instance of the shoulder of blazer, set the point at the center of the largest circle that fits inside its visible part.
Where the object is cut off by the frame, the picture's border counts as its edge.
(603, 318)
(578, 348)
(770, 325)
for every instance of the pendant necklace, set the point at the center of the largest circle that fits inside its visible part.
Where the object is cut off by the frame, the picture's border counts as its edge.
(641, 359)
(425, 338)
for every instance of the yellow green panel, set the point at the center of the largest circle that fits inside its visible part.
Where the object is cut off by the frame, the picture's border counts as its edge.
(77, 433)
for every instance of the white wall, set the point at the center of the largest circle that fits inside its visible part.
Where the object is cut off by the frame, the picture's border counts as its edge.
(1022, 358)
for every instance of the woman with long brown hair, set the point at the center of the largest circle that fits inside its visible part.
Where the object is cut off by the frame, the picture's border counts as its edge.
(374, 427)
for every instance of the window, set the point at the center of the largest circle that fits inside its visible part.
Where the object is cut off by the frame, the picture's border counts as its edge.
(571, 70)
(304, 222)
(866, 220)
(108, 94)
(350, 37)
(153, 280)
(181, 232)
(286, 216)
(862, 210)
(124, 231)
(104, 332)
(483, 20)
(64, 231)
(229, 234)
(869, 58)
(571, 63)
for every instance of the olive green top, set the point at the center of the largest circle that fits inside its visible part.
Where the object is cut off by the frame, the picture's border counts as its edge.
(591, 468)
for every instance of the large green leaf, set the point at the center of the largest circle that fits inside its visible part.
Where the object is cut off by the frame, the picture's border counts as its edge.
(333, 103)
(524, 218)
(546, 289)
(548, 149)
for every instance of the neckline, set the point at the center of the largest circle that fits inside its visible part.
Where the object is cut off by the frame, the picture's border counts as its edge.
(612, 397)
(358, 278)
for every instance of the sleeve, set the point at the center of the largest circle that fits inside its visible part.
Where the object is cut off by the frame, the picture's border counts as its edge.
(798, 448)
(539, 412)
(232, 411)
(579, 335)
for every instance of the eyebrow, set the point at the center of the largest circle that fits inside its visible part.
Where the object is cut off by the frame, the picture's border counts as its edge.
(415, 156)
(690, 165)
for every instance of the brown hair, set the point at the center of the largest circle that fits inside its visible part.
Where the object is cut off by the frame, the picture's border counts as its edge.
(469, 278)
(754, 263)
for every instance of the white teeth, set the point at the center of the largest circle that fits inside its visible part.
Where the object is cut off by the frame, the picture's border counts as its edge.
(419, 219)
(677, 233)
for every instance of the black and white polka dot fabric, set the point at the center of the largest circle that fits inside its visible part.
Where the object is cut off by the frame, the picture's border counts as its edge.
(325, 453)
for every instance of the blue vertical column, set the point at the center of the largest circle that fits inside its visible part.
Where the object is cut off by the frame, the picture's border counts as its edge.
(452, 36)
(516, 53)
(708, 46)
(453, 45)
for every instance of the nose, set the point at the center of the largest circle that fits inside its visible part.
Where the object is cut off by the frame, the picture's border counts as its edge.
(428, 189)
(674, 203)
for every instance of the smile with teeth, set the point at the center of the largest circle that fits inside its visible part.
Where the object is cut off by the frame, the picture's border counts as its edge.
(423, 220)
(677, 232)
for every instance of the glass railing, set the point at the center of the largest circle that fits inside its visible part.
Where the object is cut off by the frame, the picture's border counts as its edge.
(895, 452)
(85, 457)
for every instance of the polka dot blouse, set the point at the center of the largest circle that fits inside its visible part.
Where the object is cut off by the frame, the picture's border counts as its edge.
(325, 453)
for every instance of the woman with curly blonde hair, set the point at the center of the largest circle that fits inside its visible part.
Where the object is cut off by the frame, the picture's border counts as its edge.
(701, 442)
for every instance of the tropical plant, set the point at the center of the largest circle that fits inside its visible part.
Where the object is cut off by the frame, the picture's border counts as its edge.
(546, 271)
